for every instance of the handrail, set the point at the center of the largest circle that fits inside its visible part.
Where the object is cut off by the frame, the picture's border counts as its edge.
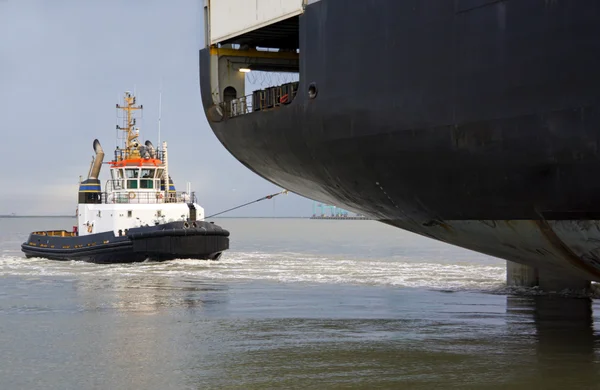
(146, 197)
(54, 233)
(121, 154)
(238, 106)
(259, 100)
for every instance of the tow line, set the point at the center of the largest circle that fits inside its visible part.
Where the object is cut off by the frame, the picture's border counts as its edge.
(246, 204)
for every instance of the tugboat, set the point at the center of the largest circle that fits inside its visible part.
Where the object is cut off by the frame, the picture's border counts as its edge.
(138, 216)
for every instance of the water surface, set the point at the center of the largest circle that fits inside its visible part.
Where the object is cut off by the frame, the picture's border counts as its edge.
(294, 304)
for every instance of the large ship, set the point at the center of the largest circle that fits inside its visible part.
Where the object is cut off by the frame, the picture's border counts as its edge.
(473, 122)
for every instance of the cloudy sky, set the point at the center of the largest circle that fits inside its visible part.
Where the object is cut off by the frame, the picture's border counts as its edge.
(64, 64)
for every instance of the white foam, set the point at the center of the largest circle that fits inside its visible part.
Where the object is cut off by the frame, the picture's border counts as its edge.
(284, 267)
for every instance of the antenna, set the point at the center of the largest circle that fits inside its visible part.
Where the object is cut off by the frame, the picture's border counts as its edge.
(159, 110)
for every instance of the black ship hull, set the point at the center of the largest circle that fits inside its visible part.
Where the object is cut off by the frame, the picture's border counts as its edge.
(174, 240)
(474, 122)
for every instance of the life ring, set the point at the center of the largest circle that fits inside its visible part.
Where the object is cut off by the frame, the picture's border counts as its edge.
(132, 195)
(159, 195)
(284, 98)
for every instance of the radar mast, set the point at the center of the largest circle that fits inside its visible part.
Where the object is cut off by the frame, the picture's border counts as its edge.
(132, 143)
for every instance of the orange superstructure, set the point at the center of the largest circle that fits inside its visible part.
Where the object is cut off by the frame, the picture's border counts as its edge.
(136, 162)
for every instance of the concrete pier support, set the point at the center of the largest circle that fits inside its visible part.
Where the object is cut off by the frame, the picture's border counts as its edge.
(521, 275)
(526, 276)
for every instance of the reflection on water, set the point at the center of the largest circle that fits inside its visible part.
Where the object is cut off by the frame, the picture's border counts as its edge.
(523, 348)
(565, 326)
(149, 294)
(567, 341)
(266, 335)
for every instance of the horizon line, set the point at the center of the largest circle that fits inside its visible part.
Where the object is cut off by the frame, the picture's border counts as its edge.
(72, 216)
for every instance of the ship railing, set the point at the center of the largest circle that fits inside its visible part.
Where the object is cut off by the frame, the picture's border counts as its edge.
(260, 100)
(147, 197)
(123, 154)
(239, 106)
(54, 233)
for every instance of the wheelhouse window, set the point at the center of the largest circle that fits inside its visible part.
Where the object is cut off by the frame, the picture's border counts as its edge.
(117, 178)
(132, 177)
(159, 176)
(132, 173)
(147, 180)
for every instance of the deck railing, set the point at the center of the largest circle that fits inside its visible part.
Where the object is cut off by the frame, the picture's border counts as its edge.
(117, 194)
(139, 197)
(263, 99)
(122, 154)
(55, 233)
(150, 197)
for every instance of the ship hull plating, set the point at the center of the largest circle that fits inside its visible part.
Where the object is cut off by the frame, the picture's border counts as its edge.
(474, 122)
(173, 240)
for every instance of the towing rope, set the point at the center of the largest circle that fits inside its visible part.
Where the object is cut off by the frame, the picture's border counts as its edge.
(246, 204)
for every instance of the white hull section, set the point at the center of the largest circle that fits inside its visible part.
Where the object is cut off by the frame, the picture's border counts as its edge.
(96, 218)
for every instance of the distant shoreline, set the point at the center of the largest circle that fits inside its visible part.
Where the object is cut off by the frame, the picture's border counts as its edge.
(37, 216)
(72, 216)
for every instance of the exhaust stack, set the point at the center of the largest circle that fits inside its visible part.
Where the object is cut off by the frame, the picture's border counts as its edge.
(97, 164)
(150, 149)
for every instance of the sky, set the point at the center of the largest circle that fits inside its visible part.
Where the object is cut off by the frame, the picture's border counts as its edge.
(64, 64)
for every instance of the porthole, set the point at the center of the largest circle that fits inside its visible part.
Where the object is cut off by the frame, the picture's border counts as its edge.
(312, 90)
